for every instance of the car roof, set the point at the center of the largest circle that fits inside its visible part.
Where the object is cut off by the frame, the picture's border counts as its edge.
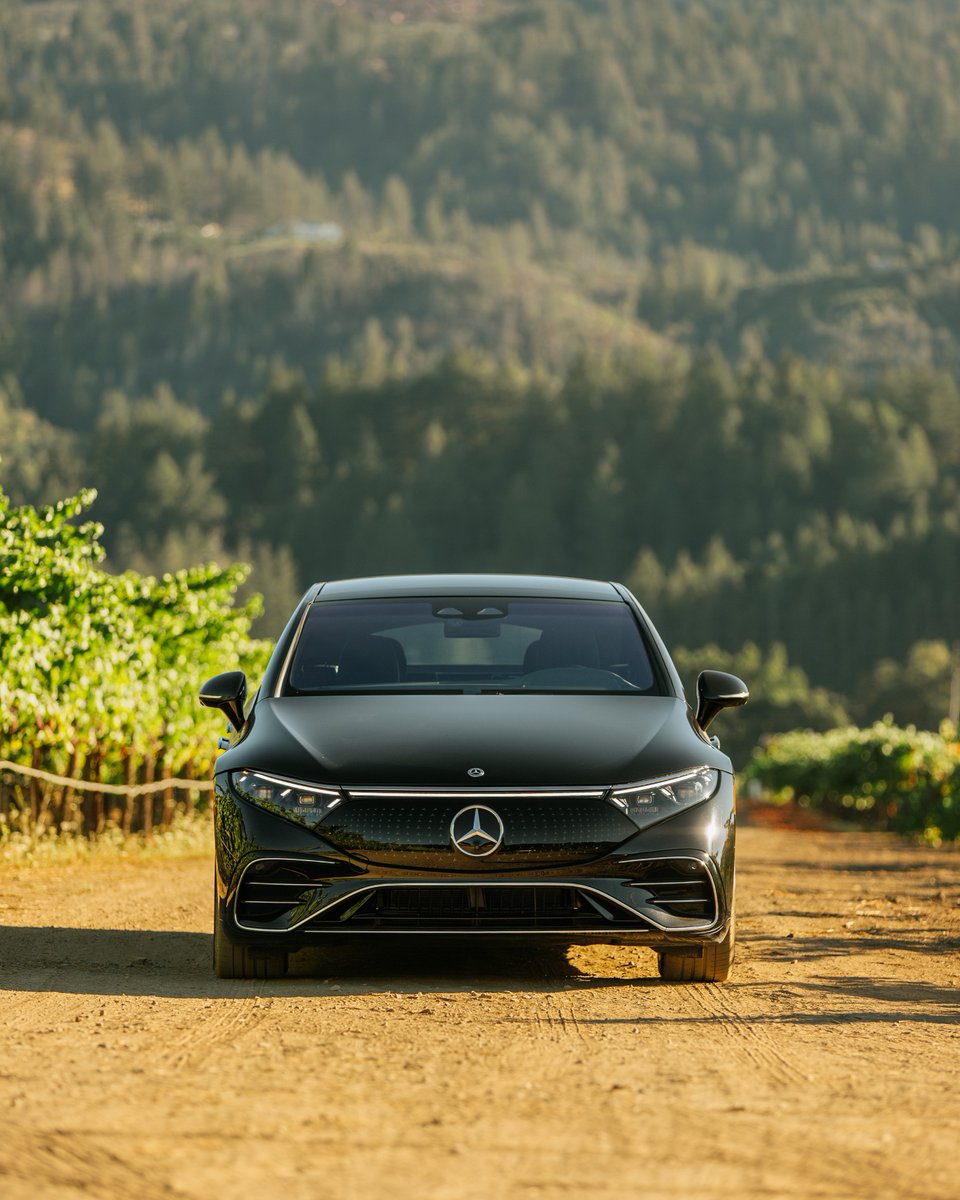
(556, 586)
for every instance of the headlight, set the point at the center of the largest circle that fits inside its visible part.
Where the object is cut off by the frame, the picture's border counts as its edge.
(647, 802)
(305, 803)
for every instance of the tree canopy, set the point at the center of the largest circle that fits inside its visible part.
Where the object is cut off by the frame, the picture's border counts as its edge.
(662, 292)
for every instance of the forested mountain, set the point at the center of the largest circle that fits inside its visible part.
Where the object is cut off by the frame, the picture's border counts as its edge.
(666, 291)
(763, 175)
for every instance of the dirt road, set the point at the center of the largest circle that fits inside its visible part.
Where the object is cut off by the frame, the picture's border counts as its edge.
(828, 1067)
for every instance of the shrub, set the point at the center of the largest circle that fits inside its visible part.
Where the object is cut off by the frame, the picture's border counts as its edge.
(883, 777)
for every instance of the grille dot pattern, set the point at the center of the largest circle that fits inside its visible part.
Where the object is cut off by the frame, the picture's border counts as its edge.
(554, 830)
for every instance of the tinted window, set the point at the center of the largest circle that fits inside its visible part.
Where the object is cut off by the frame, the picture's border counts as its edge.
(486, 643)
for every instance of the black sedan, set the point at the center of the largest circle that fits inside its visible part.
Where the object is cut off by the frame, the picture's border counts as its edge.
(463, 755)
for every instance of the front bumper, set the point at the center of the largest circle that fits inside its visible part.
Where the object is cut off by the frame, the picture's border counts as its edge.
(281, 886)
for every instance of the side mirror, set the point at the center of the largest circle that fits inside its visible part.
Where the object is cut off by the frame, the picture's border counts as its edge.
(228, 692)
(717, 690)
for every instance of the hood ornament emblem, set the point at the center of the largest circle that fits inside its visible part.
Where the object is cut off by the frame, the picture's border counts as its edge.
(476, 772)
(476, 831)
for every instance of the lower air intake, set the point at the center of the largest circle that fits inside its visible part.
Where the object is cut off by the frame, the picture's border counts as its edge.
(681, 887)
(272, 890)
(492, 908)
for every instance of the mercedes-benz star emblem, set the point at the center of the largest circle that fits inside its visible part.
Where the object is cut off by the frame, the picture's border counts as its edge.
(475, 772)
(476, 830)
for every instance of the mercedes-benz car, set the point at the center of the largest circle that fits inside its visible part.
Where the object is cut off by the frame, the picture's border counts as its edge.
(458, 756)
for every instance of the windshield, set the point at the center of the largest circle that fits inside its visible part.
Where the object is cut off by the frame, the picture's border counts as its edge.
(471, 644)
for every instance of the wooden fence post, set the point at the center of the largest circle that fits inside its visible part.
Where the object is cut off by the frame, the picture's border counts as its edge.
(68, 796)
(149, 769)
(129, 778)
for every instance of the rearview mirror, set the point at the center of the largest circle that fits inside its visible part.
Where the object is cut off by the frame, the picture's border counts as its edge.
(717, 690)
(228, 692)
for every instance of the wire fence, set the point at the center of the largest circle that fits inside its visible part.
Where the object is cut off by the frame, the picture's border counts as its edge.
(33, 799)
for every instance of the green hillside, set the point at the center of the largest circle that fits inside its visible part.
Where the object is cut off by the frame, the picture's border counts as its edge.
(667, 292)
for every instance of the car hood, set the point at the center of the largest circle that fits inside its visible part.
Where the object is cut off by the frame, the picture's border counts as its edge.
(432, 741)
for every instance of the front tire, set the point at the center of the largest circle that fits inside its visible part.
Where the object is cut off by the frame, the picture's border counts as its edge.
(712, 967)
(241, 962)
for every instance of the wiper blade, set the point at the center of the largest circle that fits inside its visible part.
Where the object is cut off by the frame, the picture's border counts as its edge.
(569, 691)
(379, 689)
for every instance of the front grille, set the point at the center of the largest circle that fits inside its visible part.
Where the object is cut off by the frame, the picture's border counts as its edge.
(408, 827)
(479, 908)
(681, 887)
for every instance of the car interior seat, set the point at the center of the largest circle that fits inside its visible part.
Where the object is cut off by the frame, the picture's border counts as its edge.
(370, 659)
(562, 648)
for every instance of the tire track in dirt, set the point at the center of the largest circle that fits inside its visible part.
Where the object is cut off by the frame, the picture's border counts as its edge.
(15, 1006)
(35, 1162)
(555, 1018)
(221, 1022)
(752, 1038)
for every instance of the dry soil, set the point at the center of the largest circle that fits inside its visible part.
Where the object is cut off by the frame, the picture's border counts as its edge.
(827, 1067)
